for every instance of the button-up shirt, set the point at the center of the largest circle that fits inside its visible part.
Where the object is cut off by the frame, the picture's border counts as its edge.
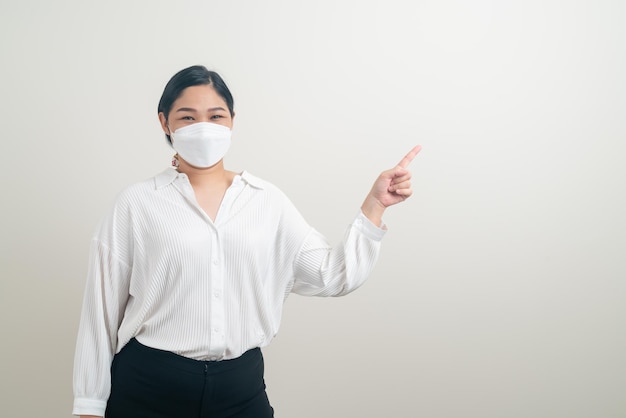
(162, 271)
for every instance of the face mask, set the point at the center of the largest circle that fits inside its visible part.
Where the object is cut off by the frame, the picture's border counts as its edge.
(201, 144)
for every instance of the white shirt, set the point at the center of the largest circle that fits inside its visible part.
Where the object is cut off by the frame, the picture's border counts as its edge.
(161, 271)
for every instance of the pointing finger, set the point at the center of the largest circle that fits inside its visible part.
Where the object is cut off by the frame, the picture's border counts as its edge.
(409, 157)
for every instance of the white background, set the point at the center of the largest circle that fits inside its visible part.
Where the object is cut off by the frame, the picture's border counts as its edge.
(500, 292)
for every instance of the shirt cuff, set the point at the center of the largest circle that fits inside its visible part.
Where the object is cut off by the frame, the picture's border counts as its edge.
(367, 228)
(84, 406)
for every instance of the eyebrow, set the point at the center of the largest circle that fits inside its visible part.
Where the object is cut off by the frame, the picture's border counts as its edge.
(189, 109)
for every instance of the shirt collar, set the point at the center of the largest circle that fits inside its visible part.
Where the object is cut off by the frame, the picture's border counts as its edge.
(165, 178)
(168, 176)
(252, 180)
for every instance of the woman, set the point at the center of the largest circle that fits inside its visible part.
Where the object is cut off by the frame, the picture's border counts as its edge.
(189, 271)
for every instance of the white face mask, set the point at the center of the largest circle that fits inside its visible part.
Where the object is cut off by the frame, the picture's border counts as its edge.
(201, 144)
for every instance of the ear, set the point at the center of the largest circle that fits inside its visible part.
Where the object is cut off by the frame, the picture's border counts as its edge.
(163, 122)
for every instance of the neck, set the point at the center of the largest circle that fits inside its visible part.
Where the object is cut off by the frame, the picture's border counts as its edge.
(215, 176)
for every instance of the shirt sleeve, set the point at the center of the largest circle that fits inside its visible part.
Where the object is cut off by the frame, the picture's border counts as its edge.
(105, 298)
(322, 270)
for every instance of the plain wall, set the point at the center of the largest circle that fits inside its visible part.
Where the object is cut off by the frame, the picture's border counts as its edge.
(501, 286)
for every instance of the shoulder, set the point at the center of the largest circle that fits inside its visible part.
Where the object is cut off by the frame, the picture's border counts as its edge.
(135, 191)
(262, 186)
(125, 204)
(137, 194)
(271, 197)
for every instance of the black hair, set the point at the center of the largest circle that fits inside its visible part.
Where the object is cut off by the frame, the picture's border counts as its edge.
(193, 76)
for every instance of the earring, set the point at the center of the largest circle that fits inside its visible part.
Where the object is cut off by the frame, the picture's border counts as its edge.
(175, 160)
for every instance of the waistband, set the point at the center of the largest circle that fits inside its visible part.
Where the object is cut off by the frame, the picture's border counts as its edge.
(247, 359)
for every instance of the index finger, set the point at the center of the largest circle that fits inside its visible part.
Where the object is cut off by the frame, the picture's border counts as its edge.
(409, 157)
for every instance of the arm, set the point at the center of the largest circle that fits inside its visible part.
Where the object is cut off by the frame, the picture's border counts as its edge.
(104, 302)
(322, 270)
(106, 294)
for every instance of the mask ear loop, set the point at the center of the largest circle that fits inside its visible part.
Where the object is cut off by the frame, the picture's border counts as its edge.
(175, 162)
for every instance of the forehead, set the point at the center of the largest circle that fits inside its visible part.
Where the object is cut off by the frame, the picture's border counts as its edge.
(200, 95)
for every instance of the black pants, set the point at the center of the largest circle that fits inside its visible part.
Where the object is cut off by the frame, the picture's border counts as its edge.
(151, 383)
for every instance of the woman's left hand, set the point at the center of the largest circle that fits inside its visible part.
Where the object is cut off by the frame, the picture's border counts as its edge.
(391, 187)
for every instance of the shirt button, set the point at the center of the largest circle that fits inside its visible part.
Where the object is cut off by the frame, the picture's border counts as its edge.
(216, 294)
(215, 260)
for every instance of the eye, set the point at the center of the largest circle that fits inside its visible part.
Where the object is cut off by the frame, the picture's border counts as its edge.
(216, 116)
(187, 118)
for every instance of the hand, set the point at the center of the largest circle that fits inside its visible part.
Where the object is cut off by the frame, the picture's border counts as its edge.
(391, 187)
